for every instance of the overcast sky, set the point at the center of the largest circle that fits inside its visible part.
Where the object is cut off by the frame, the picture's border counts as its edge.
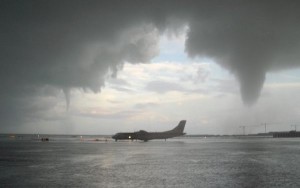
(100, 67)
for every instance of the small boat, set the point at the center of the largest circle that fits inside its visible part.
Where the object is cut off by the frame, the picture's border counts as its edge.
(44, 139)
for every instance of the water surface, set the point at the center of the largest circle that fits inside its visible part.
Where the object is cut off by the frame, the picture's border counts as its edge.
(185, 162)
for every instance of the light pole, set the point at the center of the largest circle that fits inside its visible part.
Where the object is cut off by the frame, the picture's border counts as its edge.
(265, 124)
(244, 129)
(295, 127)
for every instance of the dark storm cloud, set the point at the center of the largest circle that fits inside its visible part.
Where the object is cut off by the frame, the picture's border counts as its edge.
(66, 44)
(75, 44)
(249, 38)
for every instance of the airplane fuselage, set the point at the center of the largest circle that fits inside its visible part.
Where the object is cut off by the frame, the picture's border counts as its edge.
(157, 135)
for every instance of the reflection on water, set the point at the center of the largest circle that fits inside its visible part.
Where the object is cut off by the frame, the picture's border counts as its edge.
(185, 162)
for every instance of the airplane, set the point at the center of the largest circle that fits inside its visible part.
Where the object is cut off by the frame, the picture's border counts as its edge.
(145, 136)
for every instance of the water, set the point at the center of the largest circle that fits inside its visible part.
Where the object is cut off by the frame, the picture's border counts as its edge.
(66, 161)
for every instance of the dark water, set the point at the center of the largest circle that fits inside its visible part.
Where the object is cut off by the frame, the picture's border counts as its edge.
(186, 162)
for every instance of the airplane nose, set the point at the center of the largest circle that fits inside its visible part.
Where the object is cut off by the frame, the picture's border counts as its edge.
(114, 136)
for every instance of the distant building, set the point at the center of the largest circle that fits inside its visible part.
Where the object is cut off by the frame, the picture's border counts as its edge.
(286, 134)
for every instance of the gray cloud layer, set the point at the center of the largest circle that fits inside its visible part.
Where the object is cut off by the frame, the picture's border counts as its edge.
(75, 44)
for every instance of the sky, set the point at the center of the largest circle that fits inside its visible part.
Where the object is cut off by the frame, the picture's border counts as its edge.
(101, 67)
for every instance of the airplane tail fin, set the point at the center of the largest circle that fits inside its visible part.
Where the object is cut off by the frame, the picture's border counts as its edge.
(180, 127)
